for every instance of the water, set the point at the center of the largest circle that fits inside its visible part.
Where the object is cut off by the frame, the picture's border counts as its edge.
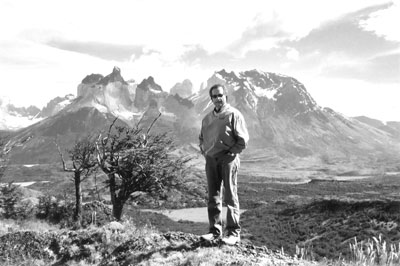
(198, 215)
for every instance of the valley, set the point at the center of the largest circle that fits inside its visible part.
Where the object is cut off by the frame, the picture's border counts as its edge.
(321, 216)
(321, 208)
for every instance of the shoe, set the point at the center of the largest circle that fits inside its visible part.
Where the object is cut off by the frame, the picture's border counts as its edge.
(210, 237)
(231, 240)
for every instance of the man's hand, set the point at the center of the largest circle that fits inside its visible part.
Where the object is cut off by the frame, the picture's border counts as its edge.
(230, 153)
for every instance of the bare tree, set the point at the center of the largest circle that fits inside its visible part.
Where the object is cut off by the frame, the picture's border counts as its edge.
(2, 160)
(136, 162)
(83, 159)
(3, 153)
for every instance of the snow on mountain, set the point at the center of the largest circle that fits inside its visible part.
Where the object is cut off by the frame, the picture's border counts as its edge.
(12, 120)
(55, 105)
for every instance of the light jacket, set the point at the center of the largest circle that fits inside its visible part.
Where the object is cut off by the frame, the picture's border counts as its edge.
(223, 132)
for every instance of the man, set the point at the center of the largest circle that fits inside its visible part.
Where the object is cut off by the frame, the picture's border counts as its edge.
(223, 136)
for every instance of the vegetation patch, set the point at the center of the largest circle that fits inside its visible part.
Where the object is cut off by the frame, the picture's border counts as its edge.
(124, 244)
(324, 227)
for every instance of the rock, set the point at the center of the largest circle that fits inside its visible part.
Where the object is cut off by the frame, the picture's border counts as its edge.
(114, 226)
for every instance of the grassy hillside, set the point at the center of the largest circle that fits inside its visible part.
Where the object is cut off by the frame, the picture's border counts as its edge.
(125, 243)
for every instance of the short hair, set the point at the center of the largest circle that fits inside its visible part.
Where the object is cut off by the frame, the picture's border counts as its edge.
(216, 86)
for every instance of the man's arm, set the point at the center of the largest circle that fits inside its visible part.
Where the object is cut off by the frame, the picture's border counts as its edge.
(201, 141)
(240, 133)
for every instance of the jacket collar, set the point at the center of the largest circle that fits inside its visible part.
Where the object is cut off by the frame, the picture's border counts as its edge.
(222, 110)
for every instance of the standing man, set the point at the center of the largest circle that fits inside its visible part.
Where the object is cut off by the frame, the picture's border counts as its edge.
(223, 136)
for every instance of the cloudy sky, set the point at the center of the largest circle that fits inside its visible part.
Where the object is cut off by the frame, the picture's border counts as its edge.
(346, 52)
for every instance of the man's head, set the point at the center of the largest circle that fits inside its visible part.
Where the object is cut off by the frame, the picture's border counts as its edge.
(218, 96)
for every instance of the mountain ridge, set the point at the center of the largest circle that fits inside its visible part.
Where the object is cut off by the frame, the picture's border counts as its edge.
(280, 113)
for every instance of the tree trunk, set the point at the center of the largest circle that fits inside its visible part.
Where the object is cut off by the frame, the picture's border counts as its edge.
(113, 188)
(78, 197)
(117, 209)
(116, 203)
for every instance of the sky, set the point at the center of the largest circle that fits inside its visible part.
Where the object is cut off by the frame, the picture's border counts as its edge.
(345, 52)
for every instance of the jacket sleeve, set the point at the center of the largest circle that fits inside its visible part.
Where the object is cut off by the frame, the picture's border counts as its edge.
(201, 140)
(240, 133)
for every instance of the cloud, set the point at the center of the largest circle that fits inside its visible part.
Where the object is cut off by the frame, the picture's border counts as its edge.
(262, 34)
(194, 54)
(384, 22)
(293, 54)
(379, 69)
(197, 55)
(107, 51)
(345, 35)
(341, 48)
(354, 97)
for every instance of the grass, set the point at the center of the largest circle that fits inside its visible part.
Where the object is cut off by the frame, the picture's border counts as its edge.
(82, 247)
(375, 251)
(9, 225)
(372, 252)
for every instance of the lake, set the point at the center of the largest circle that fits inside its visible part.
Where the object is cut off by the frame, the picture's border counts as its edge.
(198, 215)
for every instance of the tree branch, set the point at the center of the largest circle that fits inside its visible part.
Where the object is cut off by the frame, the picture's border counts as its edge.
(154, 121)
(62, 158)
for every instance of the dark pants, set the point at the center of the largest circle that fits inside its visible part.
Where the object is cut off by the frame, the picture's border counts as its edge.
(223, 170)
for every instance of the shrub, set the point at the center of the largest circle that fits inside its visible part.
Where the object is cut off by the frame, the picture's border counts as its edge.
(58, 211)
(8, 200)
(11, 206)
(96, 213)
(55, 210)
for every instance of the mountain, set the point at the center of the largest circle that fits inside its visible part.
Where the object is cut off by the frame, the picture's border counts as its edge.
(35, 144)
(149, 91)
(109, 94)
(30, 111)
(55, 105)
(13, 118)
(184, 89)
(284, 121)
(282, 116)
(392, 127)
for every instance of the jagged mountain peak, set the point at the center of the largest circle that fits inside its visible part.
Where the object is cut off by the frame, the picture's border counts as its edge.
(116, 70)
(254, 79)
(92, 79)
(55, 105)
(228, 77)
(181, 100)
(147, 91)
(150, 84)
(263, 92)
(13, 118)
(184, 89)
(30, 111)
(111, 94)
(225, 73)
(115, 76)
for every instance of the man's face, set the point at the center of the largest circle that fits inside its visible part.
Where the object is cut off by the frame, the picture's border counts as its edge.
(218, 97)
